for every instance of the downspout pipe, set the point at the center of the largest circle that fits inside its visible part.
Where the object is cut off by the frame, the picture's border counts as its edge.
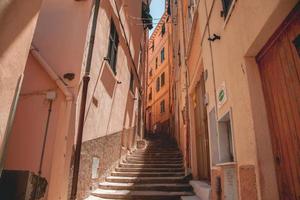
(186, 89)
(85, 79)
(59, 82)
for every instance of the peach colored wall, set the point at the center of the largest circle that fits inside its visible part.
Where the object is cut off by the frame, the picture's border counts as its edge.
(162, 67)
(61, 45)
(25, 145)
(18, 21)
(234, 63)
(195, 69)
(117, 106)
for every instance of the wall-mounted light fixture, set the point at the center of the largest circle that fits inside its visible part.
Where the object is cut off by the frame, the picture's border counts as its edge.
(214, 37)
(69, 76)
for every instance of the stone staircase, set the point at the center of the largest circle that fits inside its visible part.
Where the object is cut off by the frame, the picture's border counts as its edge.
(154, 173)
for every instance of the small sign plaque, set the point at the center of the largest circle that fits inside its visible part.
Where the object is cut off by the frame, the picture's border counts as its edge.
(221, 95)
(95, 167)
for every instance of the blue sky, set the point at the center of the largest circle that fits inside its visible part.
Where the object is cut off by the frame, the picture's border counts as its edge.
(157, 8)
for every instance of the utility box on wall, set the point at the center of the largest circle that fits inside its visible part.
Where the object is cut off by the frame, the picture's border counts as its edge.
(21, 185)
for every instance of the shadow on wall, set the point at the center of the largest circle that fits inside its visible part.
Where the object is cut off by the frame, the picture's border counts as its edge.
(15, 15)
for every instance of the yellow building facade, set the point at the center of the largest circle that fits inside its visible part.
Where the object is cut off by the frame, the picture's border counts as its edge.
(158, 78)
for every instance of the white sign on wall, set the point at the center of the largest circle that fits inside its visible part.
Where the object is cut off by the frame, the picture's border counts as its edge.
(221, 95)
(95, 167)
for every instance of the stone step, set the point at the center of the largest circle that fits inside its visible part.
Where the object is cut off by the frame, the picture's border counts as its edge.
(152, 161)
(158, 154)
(139, 169)
(145, 187)
(135, 158)
(128, 165)
(190, 198)
(156, 151)
(120, 179)
(127, 194)
(147, 174)
(201, 189)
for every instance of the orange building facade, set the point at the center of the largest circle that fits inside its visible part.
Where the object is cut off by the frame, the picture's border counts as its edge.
(158, 102)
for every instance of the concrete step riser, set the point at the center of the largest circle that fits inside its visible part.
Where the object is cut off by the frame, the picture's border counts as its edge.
(150, 165)
(111, 196)
(152, 162)
(150, 157)
(147, 188)
(150, 170)
(142, 151)
(154, 156)
(162, 180)
(136, 158)
(124, 174)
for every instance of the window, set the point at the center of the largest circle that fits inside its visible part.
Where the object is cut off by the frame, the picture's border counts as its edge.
(179, 56)
(162, 106)
(150, 72)
(150, 94)
(113, 47)
(163, 30)
(131, 81)
(157, 84)
(226, 6)
(297, 44)
(156, 63)
(152, 47)
(162, 55)
(225, 137)
(162, 79)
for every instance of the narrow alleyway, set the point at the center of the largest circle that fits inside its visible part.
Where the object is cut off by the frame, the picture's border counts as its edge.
(155, 172)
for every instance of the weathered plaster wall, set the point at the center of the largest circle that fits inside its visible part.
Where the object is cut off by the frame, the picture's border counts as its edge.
(164, 92)
(109, 90)
(243, 37)
(104, 149)
(59, 39)
(19, 19)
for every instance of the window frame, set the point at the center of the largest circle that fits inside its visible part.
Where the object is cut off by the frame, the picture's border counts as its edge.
(163, 30)
(150, 94)
(162, 55)
(131, 83)
(162, 106)
(113, 44)
(158, 84)
(162, 79)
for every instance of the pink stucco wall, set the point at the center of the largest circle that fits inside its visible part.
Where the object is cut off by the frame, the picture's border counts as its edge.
(19, 19)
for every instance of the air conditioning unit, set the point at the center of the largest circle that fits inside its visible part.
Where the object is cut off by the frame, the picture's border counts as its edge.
(21, 185)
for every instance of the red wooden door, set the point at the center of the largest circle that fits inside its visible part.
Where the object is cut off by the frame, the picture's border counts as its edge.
(280, 73)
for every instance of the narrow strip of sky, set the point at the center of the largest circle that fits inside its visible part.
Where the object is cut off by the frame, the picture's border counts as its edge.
(157, 8)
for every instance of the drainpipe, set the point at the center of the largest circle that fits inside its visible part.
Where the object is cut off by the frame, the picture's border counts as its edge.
(50, 96)
(53, 75)
(85, 79)
(10, 121)
(186, 89)
(69, 97)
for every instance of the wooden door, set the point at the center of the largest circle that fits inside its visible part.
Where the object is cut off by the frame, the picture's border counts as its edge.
(202, 140)
(280, 73)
